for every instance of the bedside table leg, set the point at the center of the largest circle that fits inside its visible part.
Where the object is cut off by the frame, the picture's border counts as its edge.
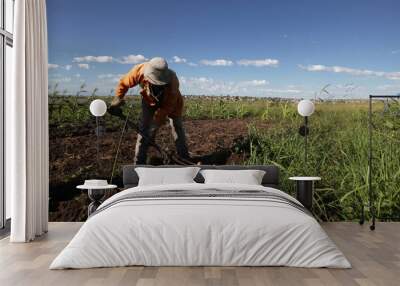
(305, 193)
(92, 207)
(96, 197)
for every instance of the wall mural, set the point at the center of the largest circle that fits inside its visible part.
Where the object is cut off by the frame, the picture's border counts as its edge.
(172, 98)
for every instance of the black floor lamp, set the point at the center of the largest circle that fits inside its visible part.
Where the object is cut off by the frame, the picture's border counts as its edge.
(305, 108)
(98, 108)
(305, 184)
(96, 188)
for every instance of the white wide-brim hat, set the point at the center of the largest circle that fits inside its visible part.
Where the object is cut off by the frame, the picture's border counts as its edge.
(156, 71)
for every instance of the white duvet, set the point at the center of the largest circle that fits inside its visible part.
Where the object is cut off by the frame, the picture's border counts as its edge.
(200, 231)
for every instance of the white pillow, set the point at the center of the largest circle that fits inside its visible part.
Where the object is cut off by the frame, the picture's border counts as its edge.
(248, 177)
(166, 176)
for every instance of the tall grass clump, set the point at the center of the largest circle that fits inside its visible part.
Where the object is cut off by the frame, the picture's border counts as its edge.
(338, 152)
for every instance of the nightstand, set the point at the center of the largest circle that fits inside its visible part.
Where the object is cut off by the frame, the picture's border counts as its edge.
(305, 189)
(96, 195)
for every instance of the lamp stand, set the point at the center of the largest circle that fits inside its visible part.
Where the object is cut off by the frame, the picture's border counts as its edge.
(97, 143)
(305, 140)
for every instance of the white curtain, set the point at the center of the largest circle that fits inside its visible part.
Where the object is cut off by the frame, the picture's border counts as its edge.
(27, 124)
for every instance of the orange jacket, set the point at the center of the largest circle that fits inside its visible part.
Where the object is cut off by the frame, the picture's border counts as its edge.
(172, 104)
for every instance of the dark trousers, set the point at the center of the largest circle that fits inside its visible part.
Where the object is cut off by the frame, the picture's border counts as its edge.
(149, 129)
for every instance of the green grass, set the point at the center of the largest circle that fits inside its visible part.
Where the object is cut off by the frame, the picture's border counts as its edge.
(338, 145)
(338, 152)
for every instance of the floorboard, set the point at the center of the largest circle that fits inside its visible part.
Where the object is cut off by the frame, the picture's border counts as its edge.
(375, 256)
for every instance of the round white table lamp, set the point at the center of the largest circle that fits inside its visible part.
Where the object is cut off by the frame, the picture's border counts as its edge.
(305, 108)
(98, 107)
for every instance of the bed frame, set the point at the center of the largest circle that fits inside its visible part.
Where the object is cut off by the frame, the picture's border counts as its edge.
(270, 179)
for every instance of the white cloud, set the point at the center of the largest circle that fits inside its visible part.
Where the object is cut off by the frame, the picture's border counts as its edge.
(352, 71)
(93, 59)
(254, 82)
(389, 88)
(218, 62)
(84, 66)
(179, 60)
(242, 62)
(313, 67)
(184, 79)
(116, 79)
(77, 75)
(281, 91)
(259, 63)
(53, 66)
(328, 91)
(56, 66)
(132, 59)
(129, 59)
(110, 77)
(210, 86)
(395, 52)
(104, 76)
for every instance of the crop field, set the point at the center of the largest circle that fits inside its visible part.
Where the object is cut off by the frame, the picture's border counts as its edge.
(239, 130)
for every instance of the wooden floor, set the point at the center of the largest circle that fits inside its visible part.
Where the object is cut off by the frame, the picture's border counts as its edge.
(375, 257)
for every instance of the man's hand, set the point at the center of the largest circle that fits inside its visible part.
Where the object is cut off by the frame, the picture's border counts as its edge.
(117, 102)
(115, 107)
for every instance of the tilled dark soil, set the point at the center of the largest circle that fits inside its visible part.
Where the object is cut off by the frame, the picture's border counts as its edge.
(73, 159)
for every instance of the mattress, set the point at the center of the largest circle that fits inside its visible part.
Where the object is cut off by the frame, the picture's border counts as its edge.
(201, 225)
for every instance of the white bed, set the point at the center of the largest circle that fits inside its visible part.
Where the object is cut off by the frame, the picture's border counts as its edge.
(185, 230)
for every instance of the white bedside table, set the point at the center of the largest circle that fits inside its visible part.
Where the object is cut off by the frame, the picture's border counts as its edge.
(96, 195)
(305, 189)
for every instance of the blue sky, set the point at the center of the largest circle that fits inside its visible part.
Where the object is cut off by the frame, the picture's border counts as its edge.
(253, 48)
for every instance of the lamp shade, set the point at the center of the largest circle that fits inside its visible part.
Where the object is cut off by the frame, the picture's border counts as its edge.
(98, 107)
(305, 107)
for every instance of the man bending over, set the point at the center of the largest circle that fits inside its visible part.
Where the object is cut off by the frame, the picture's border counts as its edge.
(161, 100)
